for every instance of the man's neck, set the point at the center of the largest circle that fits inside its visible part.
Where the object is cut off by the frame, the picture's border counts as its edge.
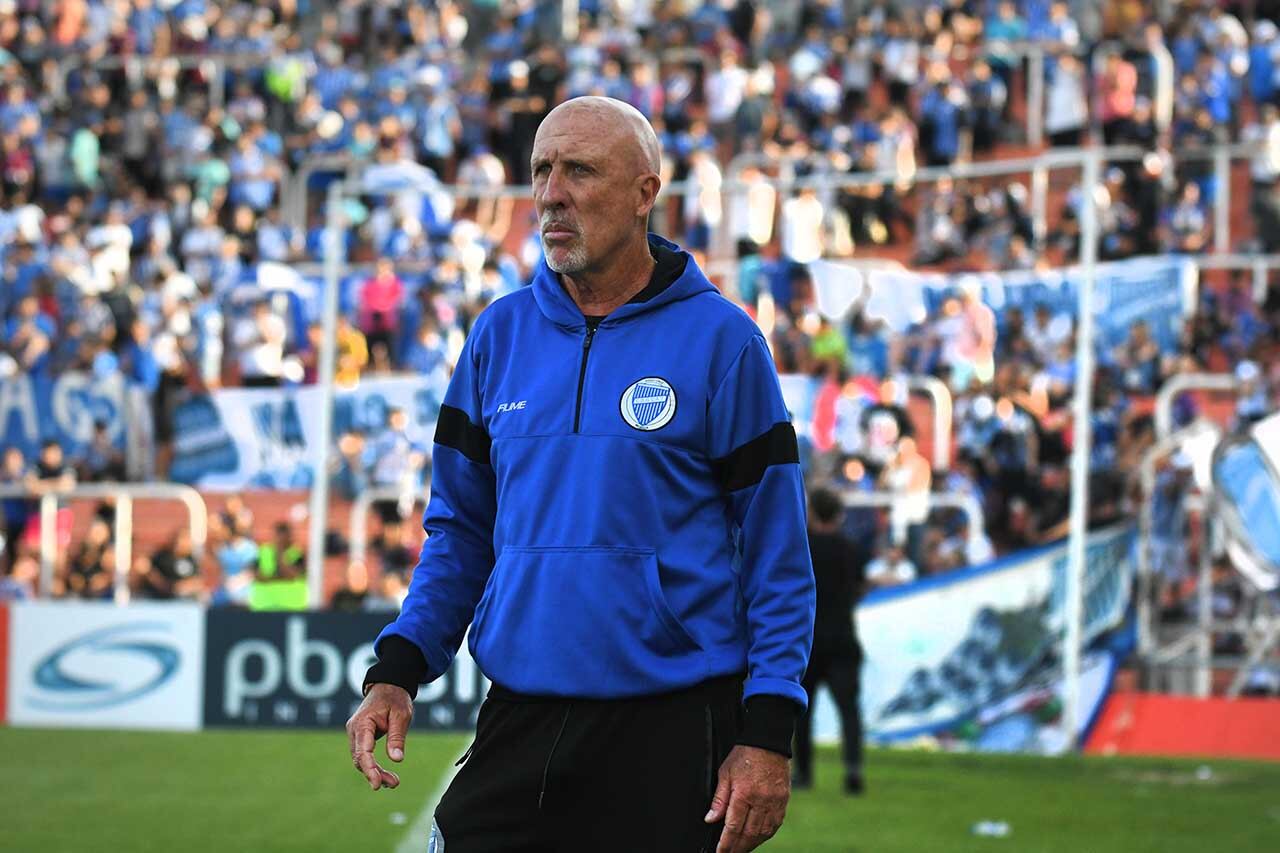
(598, 292)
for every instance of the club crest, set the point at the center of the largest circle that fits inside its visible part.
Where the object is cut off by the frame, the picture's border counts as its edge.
(648, 404)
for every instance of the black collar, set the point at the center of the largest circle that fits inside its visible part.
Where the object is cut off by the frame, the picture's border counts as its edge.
(668, 267)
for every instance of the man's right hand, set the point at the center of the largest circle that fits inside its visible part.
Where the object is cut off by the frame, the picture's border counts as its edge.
(386, 709)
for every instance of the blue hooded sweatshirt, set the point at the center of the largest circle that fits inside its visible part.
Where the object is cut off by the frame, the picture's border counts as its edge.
(616, 506)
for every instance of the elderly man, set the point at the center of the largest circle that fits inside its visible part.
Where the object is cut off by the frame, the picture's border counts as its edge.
(617, 513)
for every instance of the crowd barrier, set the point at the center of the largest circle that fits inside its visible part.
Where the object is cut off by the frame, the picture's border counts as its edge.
(181, 667)
(968, 659)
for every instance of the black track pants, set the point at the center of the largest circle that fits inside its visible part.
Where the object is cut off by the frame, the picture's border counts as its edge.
(593, 776)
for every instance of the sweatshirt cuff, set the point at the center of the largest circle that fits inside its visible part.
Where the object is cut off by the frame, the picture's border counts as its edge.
(770, 723)
(400, 662)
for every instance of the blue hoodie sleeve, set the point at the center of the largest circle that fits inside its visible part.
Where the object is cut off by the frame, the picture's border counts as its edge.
(755, 458)
(457, 556)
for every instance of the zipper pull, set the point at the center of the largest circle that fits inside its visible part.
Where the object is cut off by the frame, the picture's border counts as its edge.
(591, 333)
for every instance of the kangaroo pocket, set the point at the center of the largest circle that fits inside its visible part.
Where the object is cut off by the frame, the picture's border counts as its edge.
(576, 621)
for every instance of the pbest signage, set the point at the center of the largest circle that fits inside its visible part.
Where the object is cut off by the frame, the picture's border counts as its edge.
(306, 669)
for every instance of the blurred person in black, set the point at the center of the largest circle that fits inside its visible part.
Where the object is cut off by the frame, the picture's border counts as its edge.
(839, 567)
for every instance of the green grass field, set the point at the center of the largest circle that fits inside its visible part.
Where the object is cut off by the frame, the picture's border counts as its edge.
(70, 791)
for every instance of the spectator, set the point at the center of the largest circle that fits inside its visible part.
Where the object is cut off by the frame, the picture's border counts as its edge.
(1184, 225)
(907, 475)
(90, 571)
(102, 459)
(236, 555)
(891, 567)
(392, 592)
(175, 573)
(380, 300)
(281, 581)
(261, 338)
(18, 583)
(1117, 90)
(352, 597)
(1066, 110)
(16, 510)
(353, 353)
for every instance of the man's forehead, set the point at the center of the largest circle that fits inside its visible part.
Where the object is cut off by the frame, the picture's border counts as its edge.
(577, 133)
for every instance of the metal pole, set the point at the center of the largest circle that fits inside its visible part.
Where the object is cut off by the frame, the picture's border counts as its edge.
(940, 395)
(1204, 640)
(124, 546)
(1080, 452)
(1035, 96)
(1221, 199)
(569, 20)
(1180, 384)
(328, 355)
(48, 541)
(1040, 203)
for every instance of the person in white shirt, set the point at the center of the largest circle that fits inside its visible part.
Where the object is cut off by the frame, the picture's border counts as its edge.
(1066, 110)
(891, 568)
(751, 207)
(261, 339)
(724, 89)
(802, 227)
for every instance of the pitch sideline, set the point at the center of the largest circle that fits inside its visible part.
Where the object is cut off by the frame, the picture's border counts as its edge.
(415, 839)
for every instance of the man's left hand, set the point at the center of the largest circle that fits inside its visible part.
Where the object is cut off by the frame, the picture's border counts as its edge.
(751, 797)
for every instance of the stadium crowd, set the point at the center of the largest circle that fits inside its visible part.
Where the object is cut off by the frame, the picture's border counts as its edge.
(150, 152)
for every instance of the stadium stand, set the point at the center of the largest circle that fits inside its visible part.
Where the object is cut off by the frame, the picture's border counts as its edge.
(163, 165)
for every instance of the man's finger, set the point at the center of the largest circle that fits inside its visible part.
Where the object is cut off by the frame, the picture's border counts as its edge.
(735, 824)
(720, 801)
(364, 738)
(366, 764)
(761, 826)
(397, 727)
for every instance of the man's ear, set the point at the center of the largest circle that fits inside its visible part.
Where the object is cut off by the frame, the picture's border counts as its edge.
(648, 186)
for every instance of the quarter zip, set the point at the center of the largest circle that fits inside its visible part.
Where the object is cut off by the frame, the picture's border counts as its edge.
(592, 325)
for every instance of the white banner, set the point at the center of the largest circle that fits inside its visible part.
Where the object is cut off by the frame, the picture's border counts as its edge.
(265, 438)
(975, 655)
(99, 665)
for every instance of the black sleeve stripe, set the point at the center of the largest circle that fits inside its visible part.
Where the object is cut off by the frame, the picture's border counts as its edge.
(746, 465)
(454, 429)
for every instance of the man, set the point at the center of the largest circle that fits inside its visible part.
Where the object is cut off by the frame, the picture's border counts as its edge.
(839, 567)
(617, 512)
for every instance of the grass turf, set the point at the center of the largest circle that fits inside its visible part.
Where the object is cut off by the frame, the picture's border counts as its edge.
(71, 791)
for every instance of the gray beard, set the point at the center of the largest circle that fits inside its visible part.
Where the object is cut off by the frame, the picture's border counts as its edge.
(575, 259)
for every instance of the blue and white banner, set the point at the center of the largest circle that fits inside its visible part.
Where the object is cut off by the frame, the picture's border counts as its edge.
(973, 657)
(1246, 481)
(97, 665)
(1159, 290)
(65, 409)
(266, 438)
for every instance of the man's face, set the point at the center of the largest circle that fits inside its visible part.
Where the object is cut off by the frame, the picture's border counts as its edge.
(586, 188)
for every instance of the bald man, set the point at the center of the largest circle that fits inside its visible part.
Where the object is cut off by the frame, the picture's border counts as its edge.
(617, 516)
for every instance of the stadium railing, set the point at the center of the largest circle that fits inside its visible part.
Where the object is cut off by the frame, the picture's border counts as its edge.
(965, 503)
(358, 529)
(124, 495)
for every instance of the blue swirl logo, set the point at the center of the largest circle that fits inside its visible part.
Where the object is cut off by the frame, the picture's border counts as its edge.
(60, 672)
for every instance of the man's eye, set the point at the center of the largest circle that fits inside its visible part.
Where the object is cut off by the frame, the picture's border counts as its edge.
(579, 169)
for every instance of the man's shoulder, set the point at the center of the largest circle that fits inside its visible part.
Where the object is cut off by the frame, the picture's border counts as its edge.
(721, 317)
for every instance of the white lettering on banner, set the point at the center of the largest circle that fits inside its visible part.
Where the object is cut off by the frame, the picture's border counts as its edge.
(236, 685)
(78, 400)
(285, 712)
(358, 664)
(18, 397)
(299, 650)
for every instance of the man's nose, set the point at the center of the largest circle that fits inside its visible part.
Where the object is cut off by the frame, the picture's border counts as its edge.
(553, 189)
